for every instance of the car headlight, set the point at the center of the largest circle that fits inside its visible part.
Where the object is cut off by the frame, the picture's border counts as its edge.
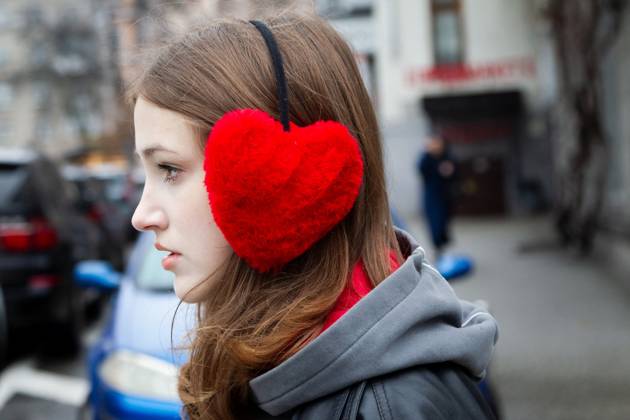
(141, 375)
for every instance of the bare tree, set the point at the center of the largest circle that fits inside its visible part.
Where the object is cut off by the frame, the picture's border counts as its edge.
(66, 62)
(583, 32)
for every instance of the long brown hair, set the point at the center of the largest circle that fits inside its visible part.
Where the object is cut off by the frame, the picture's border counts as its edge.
(251, 322)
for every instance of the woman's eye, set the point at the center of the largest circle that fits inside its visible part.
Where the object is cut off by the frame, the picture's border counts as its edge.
(170, 173)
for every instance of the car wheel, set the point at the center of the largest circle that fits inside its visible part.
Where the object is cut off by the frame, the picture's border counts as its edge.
(65, 337)
(3, 330)
(69, 340)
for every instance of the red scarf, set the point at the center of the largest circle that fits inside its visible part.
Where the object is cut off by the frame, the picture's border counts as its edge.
(358, 287)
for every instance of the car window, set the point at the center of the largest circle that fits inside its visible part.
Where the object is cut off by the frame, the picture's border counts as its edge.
(52, 195)
(12, 178)
(151, 275)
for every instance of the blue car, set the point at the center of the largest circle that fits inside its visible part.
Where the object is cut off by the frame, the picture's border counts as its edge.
(132, 366)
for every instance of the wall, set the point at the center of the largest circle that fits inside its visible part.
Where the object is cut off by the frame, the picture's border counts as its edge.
(500, 51)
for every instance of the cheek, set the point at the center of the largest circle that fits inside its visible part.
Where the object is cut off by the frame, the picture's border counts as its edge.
(205, 247)
(203, 231)
(201, 212)
(207, 250)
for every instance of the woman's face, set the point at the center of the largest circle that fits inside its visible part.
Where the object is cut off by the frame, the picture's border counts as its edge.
(174, 201)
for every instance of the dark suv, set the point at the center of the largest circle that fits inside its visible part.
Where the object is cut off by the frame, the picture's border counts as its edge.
(42, 236)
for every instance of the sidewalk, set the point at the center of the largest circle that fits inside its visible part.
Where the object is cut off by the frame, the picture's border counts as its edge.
(564, 342)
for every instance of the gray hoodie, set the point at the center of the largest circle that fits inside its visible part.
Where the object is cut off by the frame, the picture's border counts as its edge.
(412, 318)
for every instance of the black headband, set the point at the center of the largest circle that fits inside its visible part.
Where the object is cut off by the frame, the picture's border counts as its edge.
(283, 96)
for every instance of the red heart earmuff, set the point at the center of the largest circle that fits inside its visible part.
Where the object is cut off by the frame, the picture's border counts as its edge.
(275, 188)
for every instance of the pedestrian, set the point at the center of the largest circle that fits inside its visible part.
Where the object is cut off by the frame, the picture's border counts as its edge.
(265, 183)
(437, 169)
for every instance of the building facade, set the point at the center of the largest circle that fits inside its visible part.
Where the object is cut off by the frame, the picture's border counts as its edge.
(476, 73)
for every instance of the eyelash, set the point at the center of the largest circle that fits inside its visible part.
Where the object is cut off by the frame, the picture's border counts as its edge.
(167, 169)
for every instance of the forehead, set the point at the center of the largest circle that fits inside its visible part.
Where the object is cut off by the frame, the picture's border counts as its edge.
(157, 129)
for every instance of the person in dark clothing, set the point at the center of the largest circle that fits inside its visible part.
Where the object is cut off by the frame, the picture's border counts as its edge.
(437, 170)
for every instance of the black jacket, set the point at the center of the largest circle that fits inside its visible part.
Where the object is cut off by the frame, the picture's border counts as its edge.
(436, 392)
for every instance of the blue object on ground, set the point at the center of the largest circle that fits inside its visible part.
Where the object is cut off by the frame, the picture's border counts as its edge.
(453, 266)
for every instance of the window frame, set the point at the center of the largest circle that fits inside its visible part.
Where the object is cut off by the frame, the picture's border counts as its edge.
(455, 6)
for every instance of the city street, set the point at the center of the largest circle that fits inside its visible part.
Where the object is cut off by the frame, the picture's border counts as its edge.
(562, 350)
(564, 321)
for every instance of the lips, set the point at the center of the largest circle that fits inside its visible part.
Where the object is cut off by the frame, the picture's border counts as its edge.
(168, 262)
(161, 247)
(171, 259)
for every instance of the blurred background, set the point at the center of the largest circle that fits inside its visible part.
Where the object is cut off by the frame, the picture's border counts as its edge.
(530, 98)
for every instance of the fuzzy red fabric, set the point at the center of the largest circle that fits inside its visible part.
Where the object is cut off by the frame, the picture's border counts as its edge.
(358, 286)
(273, 193)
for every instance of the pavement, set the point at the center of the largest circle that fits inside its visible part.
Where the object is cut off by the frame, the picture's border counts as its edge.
(564, 341)
(34, 387)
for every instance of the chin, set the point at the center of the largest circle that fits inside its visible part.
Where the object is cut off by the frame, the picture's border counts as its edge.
(188, 290)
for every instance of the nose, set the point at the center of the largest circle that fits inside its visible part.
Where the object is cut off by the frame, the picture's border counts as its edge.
(148, 215)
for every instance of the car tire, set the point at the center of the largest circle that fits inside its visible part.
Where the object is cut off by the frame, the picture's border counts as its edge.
(65, 336)
(4, 338)
(69, 342)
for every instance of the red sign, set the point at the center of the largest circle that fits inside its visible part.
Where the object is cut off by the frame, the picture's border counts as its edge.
(461, 73)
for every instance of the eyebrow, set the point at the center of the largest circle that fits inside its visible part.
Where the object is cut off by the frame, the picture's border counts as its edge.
(149, 151)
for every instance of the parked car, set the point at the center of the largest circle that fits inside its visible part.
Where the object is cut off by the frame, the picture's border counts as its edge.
(41, 239)
(132, 367)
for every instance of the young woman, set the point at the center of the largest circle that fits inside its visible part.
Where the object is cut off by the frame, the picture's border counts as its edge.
(264, 181)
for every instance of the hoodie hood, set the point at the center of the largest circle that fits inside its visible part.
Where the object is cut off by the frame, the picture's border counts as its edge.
(411, 318)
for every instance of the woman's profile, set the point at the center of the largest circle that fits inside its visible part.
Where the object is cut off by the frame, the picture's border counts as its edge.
(265, 182)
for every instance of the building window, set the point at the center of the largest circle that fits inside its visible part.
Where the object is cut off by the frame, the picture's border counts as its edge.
(448, 43)
(335, 9)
